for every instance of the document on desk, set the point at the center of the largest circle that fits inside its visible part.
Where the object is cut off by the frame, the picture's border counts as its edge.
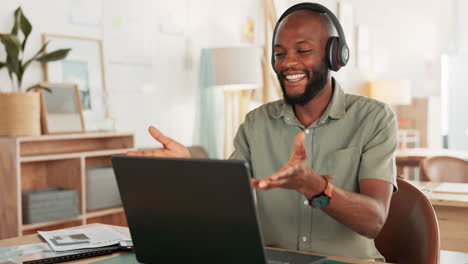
(447, 187)
(79, 238)
(24, 253)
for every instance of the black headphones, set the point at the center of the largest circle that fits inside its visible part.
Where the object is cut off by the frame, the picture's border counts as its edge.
(337, 50)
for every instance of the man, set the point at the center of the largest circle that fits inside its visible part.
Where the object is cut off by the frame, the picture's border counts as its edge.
(325, 157)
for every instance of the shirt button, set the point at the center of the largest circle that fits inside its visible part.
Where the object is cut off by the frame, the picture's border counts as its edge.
(306, 202)
(304, 239)
(307, 131)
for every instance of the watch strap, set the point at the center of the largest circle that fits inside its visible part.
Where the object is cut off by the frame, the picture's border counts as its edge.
(328, 188)
(322, 199)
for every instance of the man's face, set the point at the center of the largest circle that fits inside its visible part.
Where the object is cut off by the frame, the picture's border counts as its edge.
(300, 61)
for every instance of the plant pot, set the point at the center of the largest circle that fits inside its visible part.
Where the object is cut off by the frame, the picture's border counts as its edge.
(20, 114)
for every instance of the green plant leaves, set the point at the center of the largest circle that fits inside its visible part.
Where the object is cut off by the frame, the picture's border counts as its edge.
(14, 49)
(12, 44)
(16, 25)
(53, 56)
(13, 66)
(26, 64)
(21, 22)
(26, 27)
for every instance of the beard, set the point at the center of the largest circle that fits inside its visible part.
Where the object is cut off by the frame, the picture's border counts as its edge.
(312, 89)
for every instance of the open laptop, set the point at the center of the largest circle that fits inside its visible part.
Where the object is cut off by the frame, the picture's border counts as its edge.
(194, 211)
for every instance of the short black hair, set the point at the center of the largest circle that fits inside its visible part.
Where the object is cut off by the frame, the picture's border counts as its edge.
(324, 19)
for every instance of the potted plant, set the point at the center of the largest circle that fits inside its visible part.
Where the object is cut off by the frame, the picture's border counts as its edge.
(20, 111)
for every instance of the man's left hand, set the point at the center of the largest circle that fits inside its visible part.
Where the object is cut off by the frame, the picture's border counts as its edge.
(296, 174)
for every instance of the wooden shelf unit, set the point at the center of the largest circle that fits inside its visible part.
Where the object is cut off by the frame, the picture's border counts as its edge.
(28, 163)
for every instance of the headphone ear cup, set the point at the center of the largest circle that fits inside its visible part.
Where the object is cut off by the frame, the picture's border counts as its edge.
(343, 55)
(332, 53)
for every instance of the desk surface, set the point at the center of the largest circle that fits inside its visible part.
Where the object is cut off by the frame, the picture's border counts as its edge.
(452, 211)
(31, 239)
(440, 198)
(412, 156)
(426, 152)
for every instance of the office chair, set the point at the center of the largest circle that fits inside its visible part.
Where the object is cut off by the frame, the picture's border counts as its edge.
(411, 233)
(444, 169)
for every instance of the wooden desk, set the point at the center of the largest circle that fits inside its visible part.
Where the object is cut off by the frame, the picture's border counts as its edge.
(411, 157)
(31, 239)
(452, 214)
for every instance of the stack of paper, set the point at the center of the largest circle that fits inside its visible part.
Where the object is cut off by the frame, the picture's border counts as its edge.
(89, 237)
(447, 187)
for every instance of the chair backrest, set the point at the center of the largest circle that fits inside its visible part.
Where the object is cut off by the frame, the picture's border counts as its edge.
(411, 232)
(444, 169)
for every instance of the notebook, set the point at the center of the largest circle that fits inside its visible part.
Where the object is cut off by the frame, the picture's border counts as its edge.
(194, 211)
(41, 253)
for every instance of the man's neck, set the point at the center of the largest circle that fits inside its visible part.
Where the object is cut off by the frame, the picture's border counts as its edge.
(308, 113)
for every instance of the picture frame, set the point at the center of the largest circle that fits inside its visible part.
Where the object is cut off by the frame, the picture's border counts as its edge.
(84, 66)
(61, 110)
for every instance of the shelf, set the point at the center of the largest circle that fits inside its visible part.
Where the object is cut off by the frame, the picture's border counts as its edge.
(91, 214)
(30, 163)
(79, 136)
(116, 218)
(96, 153)
(103, 212)
(68, 144)
(51, 223)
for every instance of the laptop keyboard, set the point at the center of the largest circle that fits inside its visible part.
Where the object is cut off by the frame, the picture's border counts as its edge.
(275, 257)
(289, 257)
(269, 261)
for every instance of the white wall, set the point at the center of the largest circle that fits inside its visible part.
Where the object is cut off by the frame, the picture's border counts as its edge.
(411, 35)
(458, 83)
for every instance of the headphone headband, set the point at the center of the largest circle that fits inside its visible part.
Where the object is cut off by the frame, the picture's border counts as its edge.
(341, 49)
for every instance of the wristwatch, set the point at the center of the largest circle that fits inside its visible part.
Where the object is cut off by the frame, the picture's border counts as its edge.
(321, 200)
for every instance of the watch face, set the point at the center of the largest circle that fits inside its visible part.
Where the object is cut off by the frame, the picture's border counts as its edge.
(320, 201)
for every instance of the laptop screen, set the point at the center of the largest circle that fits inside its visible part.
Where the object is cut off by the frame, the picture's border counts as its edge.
(189, 210)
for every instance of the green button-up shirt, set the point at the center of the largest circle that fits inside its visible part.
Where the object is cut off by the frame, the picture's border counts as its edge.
(354, 139)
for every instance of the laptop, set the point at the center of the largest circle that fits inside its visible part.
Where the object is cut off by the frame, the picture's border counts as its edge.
(194, 211)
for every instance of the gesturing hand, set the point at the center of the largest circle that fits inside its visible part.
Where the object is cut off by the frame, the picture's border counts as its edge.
(171, 148)
(296, 174)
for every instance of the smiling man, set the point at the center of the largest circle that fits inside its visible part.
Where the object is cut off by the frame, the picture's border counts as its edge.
(323, 160)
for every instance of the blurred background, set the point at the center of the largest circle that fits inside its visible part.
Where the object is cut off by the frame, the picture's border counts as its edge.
(194, 68)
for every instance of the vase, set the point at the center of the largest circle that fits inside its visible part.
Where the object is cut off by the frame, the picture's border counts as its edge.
(20, 114)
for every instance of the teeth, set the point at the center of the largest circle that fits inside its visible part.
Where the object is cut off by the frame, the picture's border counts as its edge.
(295, 77)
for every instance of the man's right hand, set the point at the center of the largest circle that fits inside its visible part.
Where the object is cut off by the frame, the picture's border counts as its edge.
(170, 149)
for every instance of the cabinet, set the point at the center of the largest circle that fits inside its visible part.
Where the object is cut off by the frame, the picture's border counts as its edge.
(425, 116)
(28, 163)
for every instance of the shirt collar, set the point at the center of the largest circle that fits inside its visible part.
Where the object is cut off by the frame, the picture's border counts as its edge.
(336, 109)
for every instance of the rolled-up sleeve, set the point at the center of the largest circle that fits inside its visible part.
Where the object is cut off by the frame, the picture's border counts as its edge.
(378, 154)
(241, 142)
